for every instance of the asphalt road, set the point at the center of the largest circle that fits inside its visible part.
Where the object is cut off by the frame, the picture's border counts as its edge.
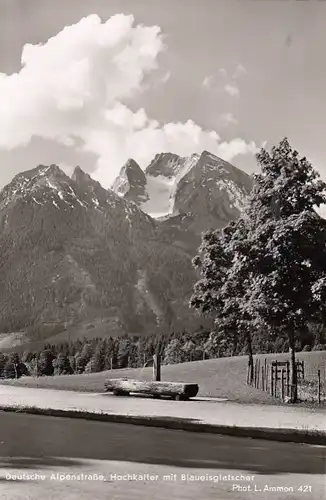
(38, 456)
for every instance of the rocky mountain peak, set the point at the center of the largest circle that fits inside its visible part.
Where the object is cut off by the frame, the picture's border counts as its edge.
(132, 166)
(130, 175)
(131, 182)
(80, 175)
(84, 180)
(134, 173)
(37, 173)
(49, 186)
(93, 192)
(213, 189)
(200, 183)
(164, 164)
(33, 181)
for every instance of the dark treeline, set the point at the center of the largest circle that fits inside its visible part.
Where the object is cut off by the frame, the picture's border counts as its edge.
(98, 354)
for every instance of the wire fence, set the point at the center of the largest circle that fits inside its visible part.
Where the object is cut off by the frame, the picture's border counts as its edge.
(275, 378)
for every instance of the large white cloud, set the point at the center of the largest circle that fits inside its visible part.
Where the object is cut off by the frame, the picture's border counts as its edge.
(75, 85)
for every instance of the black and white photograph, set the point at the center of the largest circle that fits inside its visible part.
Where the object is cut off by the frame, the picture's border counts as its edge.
(162, 249)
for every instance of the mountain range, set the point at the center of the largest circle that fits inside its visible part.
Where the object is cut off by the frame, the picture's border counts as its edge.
(80, 260)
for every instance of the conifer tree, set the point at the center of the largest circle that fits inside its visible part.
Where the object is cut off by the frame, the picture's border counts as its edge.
(45, 363)
(3, 361)
(173, 352)
(98, 359)
(62, 365)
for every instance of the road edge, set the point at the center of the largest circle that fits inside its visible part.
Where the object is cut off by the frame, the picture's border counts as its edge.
(304, 436)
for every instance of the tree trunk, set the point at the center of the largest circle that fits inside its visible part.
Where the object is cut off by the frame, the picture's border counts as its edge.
(251, 360)
(294, 378)
(126, 386)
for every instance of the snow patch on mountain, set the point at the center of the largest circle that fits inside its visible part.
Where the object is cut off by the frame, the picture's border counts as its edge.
(188, 164)
(161, 189)
(37, 201)
(158, 190)
(170, 178)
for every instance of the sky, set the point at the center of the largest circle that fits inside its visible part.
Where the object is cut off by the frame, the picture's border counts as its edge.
(95, 82)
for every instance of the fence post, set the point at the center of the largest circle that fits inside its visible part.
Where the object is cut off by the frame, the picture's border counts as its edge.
(319, 388)
(276, 379)
(298, 366)
(157, 367)
(262, 378)
(258, 373)
(288, 378)
(282, 384)
(256, 364)
(266, 374)
(302, 370)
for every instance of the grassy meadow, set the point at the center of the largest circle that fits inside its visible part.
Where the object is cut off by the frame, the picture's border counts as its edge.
(222, 377)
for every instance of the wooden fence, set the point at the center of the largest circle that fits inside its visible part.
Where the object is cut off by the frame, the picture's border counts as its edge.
(275, 378)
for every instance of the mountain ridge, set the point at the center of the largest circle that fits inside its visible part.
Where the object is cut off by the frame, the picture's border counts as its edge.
(74, 254)
(165, 180)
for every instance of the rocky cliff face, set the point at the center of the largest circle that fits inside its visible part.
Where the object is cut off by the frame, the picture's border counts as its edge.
(189, 195)
(172, 185)
(131, 183)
